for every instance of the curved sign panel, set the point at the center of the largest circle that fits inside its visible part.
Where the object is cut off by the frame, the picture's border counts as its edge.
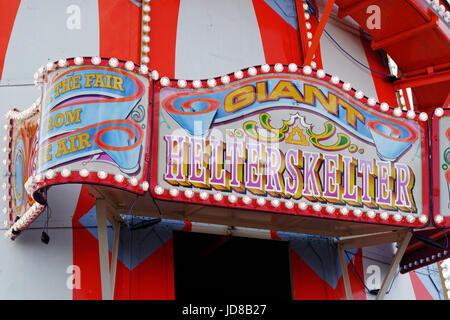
(94, 122)
(89, 126)
(21, 165)
(289, 143)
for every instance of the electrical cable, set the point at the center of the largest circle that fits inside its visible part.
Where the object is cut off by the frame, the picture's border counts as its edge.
(314, 13)
(129, 211)
(356, 271)
(392, 282)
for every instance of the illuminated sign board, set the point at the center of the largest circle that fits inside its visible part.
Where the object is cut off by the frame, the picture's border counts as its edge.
(288, 143)
(94, 126)
(21, 165)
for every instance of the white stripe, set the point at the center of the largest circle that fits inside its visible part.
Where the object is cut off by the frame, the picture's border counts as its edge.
(381, 256)
(216, 37)
(336, 62)
(40, 34)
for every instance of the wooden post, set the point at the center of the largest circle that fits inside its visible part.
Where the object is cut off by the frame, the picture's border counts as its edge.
(347, 286)
(103, 249)
(441, 275)
(402, 245)
(107, 270)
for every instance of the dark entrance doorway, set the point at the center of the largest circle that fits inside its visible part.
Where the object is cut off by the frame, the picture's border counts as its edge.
(213, 267)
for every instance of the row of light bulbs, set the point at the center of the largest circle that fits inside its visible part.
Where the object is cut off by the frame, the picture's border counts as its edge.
(309, 34)
(78, 61)
(289, 204)
(226, 79)
(145, 30)
(25, 114)
(307, 70)
(33, 181)
(440, 9)
(425, 260)
(25, 220)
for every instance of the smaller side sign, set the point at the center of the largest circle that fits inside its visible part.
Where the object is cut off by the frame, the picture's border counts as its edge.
(441, 168)
(94, 127)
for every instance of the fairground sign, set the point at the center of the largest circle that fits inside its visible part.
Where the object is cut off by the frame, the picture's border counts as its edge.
(94, 122)
(288, 143)
(297, 143)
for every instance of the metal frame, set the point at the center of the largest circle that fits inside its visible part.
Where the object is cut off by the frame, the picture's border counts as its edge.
(402, 239)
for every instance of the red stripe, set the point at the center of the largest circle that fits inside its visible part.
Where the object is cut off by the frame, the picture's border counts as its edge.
(313, 21)
(85, 252)
(163, 36)
(274, 235)
(420, 290)
(8, 12)
(310, 286)
(187, 226)
(383, 87)
(120, 36)
(153, 279)
(281, 42)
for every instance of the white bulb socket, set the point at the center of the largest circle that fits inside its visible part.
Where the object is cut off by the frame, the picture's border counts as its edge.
(292, 67)
(302, 205)
(197, 84)
(384, 107)
(96, 60)
(102, 175)
(278, 67)
(252, 71)
(218, 196)
(129, 65)
(159, 190)
(225, 79)
(275, 203)
(289, 204)
(174, 192)
(211, 83)
(164, 81)
(307, 70)
(398, 112)
(188, 193)
(423, 116)
(182, 83)
(232, 198)
(119, 178)
(321, 74)
(265, 68)
(261, 201)
(239, 74)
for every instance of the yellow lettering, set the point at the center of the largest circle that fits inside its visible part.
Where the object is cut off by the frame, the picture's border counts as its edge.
(89, 78)
(118, 81)
(59, 120)
(285, 89)
(62, 148)
(239, 98)
(312, 93)
(72, 116)
(98, 81)
(352, 114)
